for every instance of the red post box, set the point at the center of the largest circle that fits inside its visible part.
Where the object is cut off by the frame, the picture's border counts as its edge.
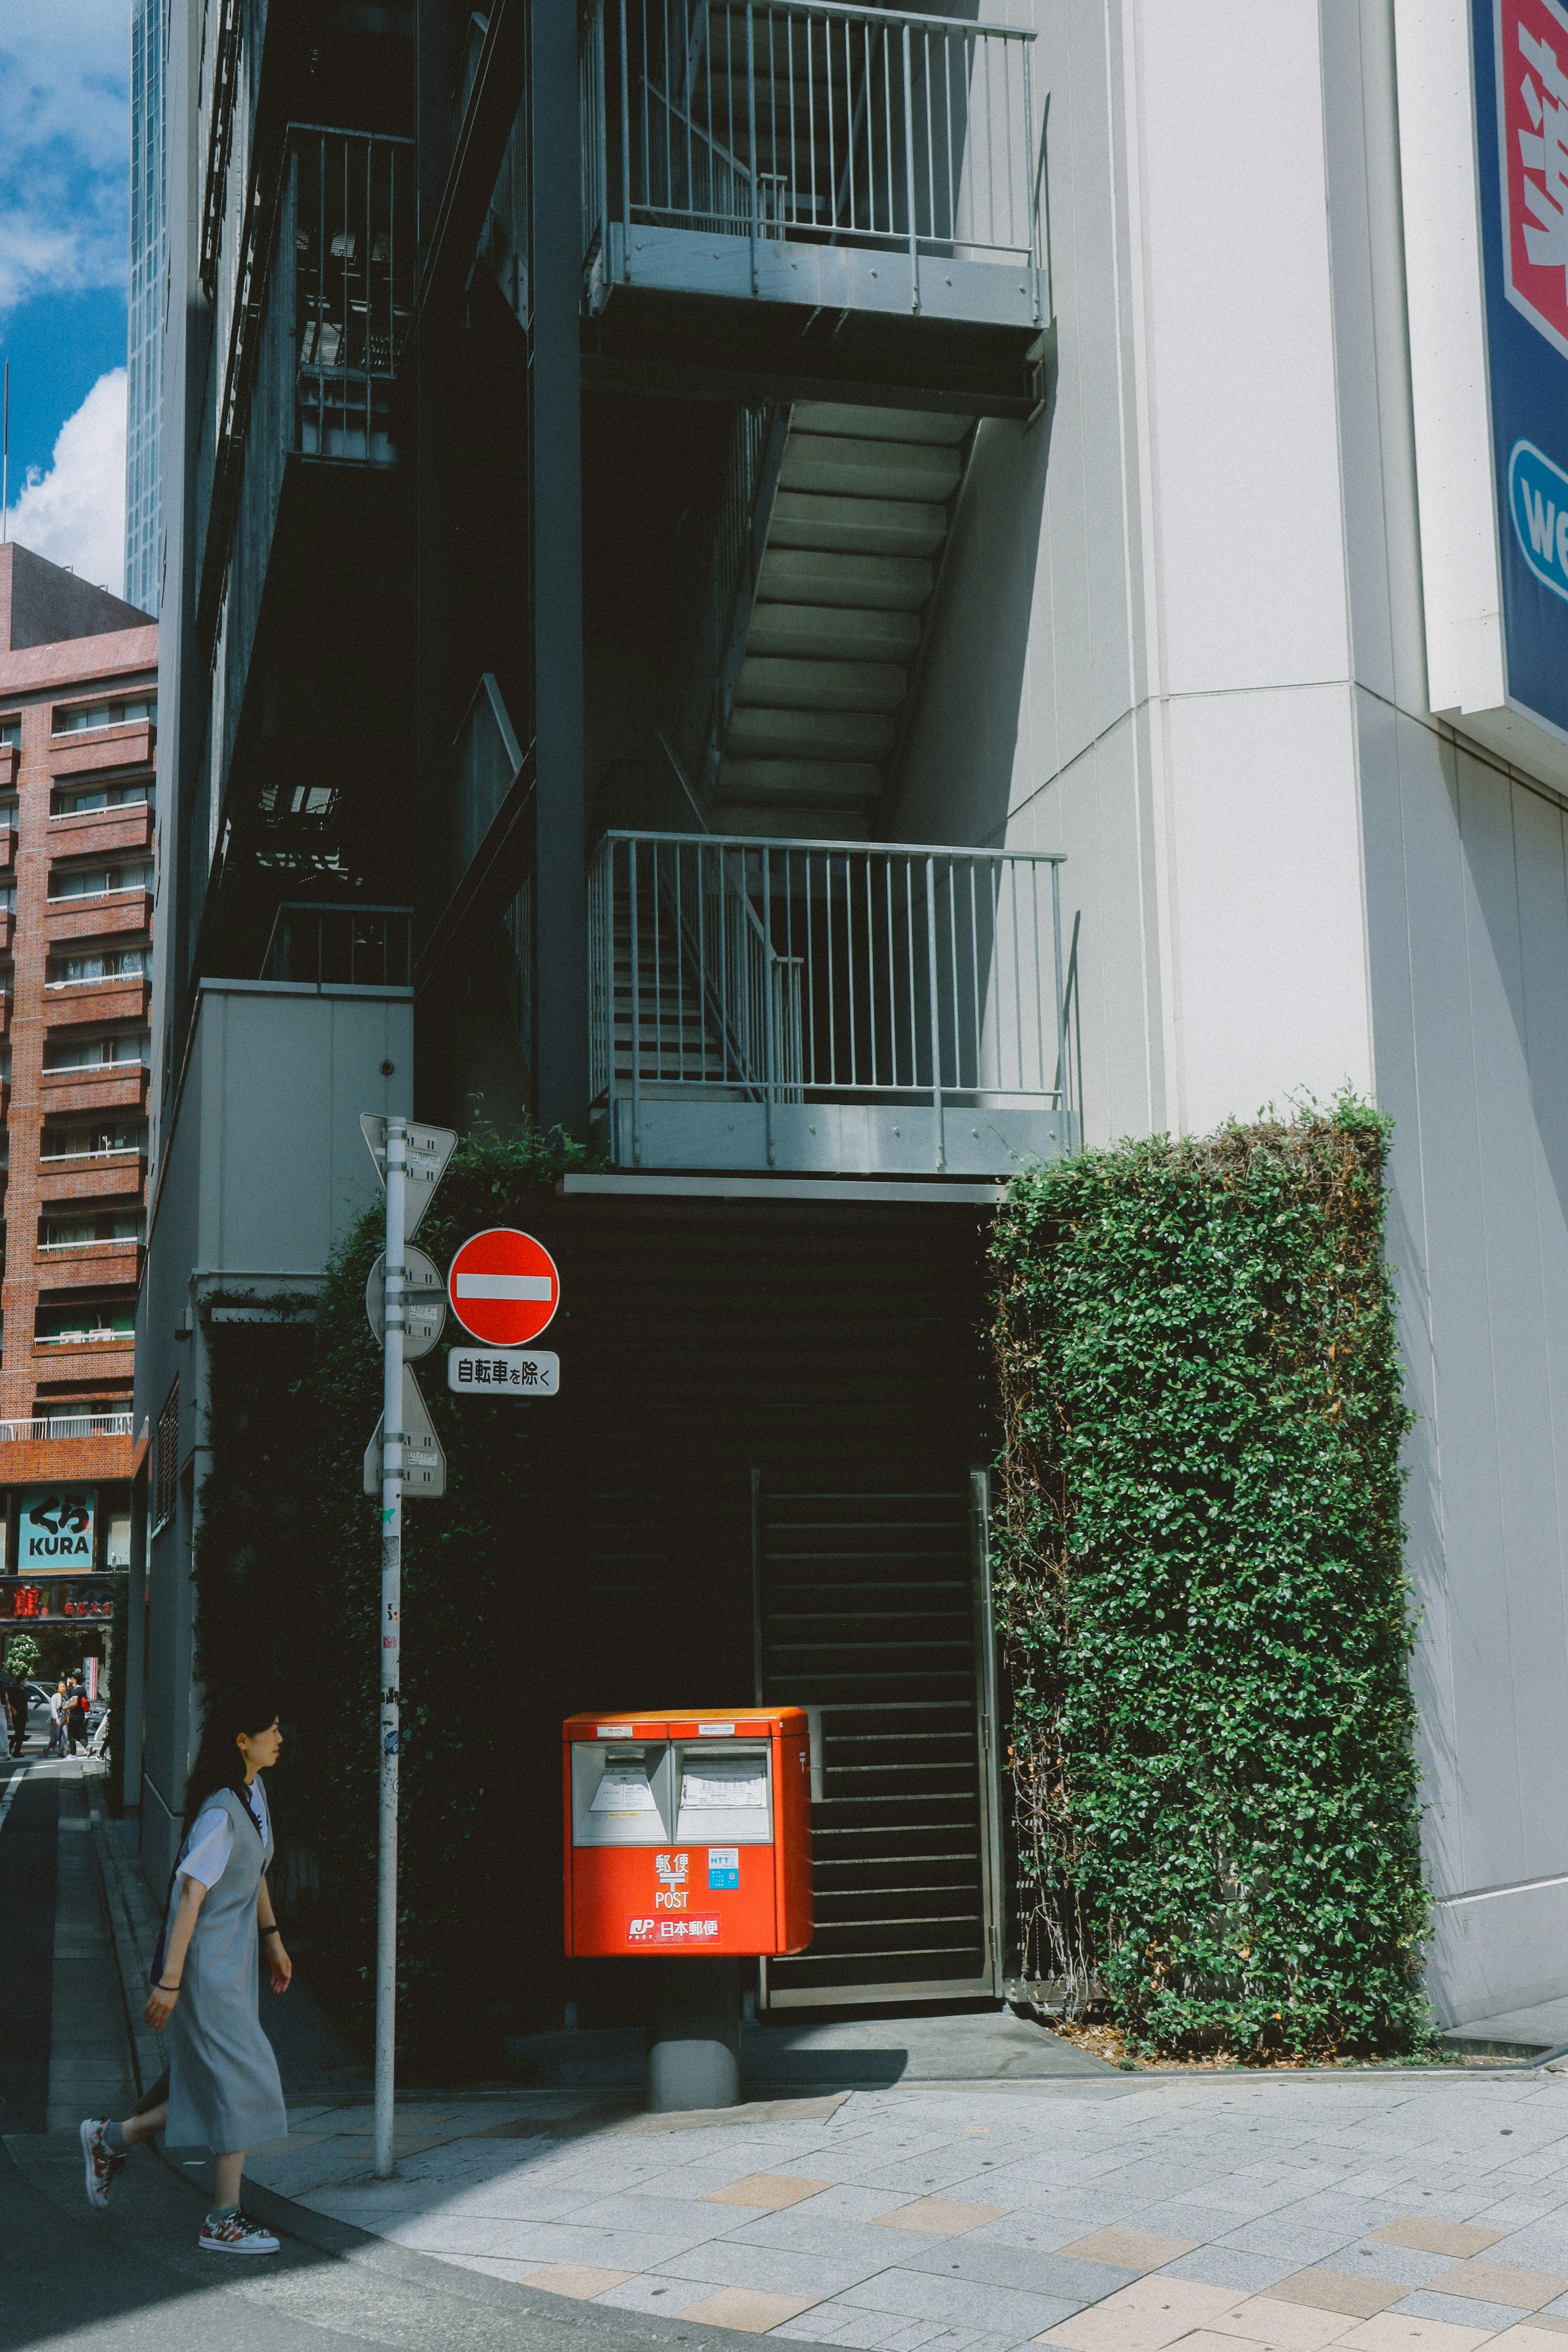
(687, 1831)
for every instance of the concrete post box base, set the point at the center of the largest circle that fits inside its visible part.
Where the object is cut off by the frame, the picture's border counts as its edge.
(694, 2035)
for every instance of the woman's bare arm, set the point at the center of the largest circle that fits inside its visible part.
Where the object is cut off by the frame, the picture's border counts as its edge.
(165, 1992)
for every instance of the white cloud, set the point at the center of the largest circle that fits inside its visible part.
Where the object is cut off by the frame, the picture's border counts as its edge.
(75, 513)
(64, 131)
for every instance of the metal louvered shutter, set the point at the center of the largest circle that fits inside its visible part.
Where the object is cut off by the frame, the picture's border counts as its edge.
(872, 1612)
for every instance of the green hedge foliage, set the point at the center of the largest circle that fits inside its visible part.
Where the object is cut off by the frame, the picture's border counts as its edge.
(1204, 1612)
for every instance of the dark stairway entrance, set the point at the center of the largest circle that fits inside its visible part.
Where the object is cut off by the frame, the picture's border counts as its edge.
(872, 1611)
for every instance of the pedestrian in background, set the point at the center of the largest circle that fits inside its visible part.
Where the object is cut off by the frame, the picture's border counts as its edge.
(76, 1714)
(223, 2087)
(58, 1719)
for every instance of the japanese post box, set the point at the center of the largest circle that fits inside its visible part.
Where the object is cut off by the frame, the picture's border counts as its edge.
(688, 1831)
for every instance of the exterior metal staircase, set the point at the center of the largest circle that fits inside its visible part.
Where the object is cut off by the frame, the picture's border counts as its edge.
(830, 635)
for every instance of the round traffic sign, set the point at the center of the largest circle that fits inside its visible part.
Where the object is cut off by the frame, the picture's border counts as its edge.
(424, 1303)
(503, 1286)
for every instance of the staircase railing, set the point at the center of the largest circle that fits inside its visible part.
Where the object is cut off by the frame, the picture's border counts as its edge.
(800, 972)
(826, 121)
(718, 633)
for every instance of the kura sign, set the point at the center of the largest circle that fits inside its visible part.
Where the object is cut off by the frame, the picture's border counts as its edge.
(54, 1529)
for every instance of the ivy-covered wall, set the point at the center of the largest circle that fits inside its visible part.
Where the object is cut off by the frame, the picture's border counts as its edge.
(1204, 1615)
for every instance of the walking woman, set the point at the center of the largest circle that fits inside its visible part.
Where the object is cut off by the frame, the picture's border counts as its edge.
(222, 2089)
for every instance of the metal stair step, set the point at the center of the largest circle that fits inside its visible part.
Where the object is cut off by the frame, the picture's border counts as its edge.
(877, 424)
(869, 470)
(891, 584)
(782, 684)
(785, 823)
(802, 784)
(757, 732)
(823, 633)
(841, 526)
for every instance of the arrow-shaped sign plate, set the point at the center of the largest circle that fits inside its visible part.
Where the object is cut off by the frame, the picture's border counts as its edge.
(424, 1463)
(426, 1150)
(424, 1303)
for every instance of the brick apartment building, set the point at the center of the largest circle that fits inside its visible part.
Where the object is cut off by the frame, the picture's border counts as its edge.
(77, 711)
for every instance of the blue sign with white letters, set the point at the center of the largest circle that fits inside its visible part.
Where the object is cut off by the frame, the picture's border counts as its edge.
(1521, 49)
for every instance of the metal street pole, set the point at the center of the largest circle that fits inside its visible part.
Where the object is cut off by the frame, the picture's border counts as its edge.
(391, 1606)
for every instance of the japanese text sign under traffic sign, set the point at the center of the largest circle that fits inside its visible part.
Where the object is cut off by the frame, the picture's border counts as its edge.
(504, 1286)
(424, 1461)
(424, 1303)
(514, 1372)
(427, 1151)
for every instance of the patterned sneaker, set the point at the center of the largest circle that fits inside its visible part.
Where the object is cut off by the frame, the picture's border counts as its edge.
(102, 2168)
(233, 2234)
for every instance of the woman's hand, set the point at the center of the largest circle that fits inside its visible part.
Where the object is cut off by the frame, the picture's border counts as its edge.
(159, 2008)
(278, 1960)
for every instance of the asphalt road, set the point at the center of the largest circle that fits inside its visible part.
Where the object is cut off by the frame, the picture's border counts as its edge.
(133, 2279)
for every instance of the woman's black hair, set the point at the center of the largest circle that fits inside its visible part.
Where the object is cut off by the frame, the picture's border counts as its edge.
(251, 1707)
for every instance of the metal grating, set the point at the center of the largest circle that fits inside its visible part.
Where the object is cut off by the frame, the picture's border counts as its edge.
(870, 1613)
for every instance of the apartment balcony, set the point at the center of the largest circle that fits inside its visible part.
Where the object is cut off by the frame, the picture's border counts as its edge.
(815, 194)
(342, 296)
(7, 928)
(70, 1002)
(98, 749)
(107, 914)
(107, 831)
(68, 1445)
(97, 1177)
(10, 760)
(7, 848)
(90, 1264)
(79, 1361)
(111, 1086)
(827, 1007)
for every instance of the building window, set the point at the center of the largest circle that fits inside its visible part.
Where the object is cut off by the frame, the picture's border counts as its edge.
(102, 796)
(99, 881)
(98, 963)
(166, 1459)
(10, 730)
(126, 1045)
(95, 1143)
(74, 718)
(81, 1322)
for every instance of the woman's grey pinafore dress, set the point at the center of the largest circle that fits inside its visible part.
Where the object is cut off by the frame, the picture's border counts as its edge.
(224, 2091)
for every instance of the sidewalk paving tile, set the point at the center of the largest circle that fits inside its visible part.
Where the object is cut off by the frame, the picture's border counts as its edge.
(1287, 2326)
(1429, 2234)
(940, 2216)
(1130, 2250)
(776, 2270)
(576, 2280)
(1222, 2266)
(1144, 2317)
(1486, 2282)
(1460, 2310)
(1328, 2290)
(1006, 2312)
(1402, 2265)
(1389, 2334)
(1543, 2323)
(1535, 2335)
(768, 2192)
(746, 2308)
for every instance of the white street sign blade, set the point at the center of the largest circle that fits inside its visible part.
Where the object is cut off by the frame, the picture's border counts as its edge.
(424, 1303)
(424, 1461)
(425, 1151)
(516, 1372)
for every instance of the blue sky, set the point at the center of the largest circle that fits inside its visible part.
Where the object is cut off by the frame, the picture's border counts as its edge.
(64, 175)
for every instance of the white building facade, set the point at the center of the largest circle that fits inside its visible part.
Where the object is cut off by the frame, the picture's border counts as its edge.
(1244, 624)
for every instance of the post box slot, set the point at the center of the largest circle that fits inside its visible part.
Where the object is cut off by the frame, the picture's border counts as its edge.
(620, 1795)
(724, 1795)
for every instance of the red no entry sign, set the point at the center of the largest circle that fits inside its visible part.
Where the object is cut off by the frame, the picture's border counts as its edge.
(503, 1286)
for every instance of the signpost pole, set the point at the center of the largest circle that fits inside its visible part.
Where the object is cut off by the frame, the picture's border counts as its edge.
(391, 1605)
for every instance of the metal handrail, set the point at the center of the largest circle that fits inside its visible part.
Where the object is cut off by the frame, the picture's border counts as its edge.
(876, 127)
(747, 967)
(82, 1424)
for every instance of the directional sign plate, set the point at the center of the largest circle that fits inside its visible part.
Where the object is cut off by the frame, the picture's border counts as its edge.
(503, 1286)
(424, 1463)
(427, 1151)
(516, 1372)
(424, 1303)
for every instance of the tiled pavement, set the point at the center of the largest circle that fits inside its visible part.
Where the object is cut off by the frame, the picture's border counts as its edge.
(1378, 2215)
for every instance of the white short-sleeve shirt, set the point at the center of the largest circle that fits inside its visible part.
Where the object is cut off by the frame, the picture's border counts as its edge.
(211, 1840)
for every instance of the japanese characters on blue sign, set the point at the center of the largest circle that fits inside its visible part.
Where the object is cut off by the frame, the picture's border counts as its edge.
(1521, 121)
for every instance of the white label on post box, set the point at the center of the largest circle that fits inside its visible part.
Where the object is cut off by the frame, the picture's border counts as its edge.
(612, 1731)
(715, 1731)
(720, 1788)
(624, 1790)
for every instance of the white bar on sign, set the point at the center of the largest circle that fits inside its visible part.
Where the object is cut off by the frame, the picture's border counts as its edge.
(504, 1285)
